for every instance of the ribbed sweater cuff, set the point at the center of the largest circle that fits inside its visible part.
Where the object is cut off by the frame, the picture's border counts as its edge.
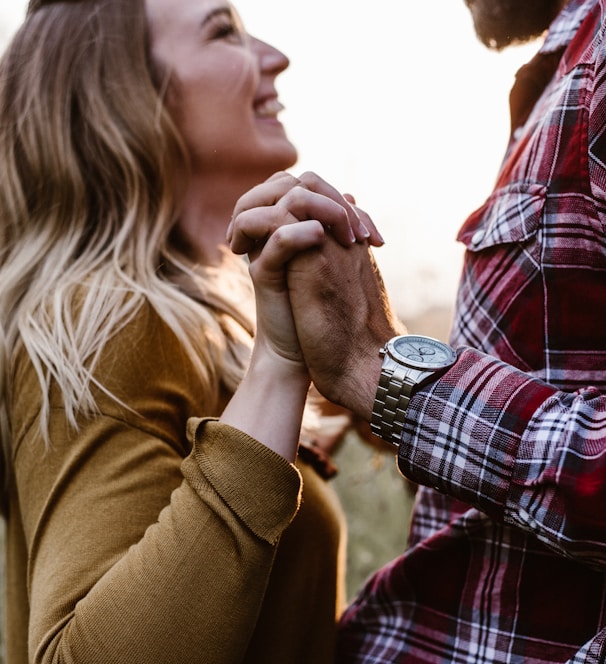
(257, 484)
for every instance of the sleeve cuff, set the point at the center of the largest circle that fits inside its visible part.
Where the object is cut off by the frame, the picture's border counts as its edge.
(261, 487)
(463, 431)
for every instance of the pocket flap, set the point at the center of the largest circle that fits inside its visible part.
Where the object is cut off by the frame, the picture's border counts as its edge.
(511, 214)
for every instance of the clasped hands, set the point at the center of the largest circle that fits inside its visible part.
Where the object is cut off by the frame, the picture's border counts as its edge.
(322, 307)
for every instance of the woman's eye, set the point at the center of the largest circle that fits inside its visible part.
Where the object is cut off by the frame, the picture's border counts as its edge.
(226, 29)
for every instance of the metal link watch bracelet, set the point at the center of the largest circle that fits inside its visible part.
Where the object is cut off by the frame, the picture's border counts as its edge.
(409, 361)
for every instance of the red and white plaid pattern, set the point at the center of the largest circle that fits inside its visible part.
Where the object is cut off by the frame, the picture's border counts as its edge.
(508, 542)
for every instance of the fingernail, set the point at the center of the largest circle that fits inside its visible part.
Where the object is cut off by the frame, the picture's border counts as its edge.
(365, 231)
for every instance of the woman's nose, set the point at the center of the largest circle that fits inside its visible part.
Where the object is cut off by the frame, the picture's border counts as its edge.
(271, 60)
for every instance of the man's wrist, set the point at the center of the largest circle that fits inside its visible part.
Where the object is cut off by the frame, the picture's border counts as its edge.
(408, 362)
(370, 374)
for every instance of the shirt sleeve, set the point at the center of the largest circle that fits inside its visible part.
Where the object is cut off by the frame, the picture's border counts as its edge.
(517, 449)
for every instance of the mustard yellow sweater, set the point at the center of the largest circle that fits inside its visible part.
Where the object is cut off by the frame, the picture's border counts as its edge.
(150, 536)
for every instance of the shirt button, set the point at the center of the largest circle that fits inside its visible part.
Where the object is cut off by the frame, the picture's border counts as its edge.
(517, 133)
(477, 237)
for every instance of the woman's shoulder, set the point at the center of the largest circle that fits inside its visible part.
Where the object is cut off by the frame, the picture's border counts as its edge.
(146, 366)
(143, 375)
(146, 343)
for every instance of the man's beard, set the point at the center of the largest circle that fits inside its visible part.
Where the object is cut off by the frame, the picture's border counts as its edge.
(499, 23)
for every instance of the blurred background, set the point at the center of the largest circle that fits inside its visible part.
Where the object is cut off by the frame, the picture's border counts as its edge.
(397, 103)
(400, 105)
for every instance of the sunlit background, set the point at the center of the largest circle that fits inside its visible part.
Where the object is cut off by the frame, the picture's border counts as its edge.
(397, 103)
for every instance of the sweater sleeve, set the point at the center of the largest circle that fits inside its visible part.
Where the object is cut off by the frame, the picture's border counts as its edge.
(150, 534)
(515, 448)
(122, 568)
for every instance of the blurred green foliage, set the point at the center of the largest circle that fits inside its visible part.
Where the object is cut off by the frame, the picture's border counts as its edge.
(377, 502)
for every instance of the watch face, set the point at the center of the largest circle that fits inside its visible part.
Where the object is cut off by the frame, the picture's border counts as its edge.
(421, 352)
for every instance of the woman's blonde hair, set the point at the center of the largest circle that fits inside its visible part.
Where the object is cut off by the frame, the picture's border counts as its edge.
(92, 174)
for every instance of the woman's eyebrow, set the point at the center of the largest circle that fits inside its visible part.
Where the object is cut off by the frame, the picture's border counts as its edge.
(216, 12)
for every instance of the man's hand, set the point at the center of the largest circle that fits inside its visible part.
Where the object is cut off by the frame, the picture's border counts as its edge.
(343, 317)
(309, 250)
(273, 222)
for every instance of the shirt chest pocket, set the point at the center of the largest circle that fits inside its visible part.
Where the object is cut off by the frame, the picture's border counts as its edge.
(512, 215)
(501, 291)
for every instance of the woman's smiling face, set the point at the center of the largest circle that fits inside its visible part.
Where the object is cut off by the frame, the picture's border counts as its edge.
(222, 93)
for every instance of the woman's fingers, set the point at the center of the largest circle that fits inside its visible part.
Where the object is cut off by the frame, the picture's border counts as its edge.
(360, 222)
(266, 194)
(256, 224)
(374, 237)
(303, 198)
(269, 262)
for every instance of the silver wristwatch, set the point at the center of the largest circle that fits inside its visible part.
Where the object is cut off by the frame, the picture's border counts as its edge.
(409, 362)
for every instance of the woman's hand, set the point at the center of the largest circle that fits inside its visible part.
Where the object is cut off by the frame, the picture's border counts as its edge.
(274, 222)
(285, 199)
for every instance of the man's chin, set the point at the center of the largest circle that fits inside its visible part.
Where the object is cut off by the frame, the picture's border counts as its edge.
(501, 23)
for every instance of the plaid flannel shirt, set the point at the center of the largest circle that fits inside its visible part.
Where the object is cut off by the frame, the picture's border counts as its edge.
(507, 553)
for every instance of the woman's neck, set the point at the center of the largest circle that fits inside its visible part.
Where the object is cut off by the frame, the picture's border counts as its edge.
(205, 215)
